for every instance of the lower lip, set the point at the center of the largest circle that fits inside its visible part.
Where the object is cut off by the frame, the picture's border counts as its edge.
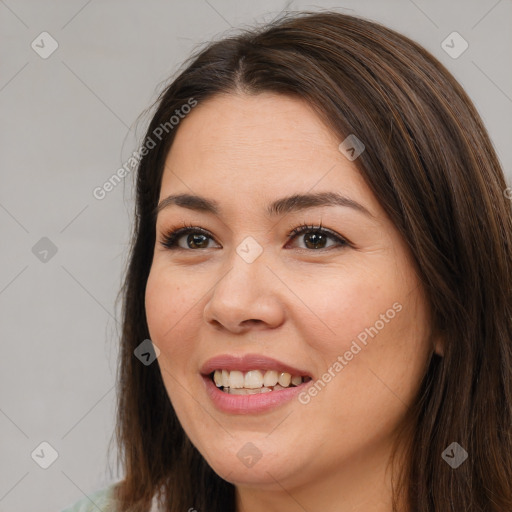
(245, 404)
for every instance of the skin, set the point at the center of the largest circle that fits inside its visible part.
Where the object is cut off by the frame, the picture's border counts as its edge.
(301, 305)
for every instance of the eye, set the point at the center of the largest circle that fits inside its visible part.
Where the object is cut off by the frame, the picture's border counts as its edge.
(196, 238)
(316, 237)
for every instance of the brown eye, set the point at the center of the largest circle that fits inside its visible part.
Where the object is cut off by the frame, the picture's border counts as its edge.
(195, 241)
(316, 237)
(195, 238)
(315, 240)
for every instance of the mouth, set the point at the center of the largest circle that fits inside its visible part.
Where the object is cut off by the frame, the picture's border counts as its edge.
(252, 382)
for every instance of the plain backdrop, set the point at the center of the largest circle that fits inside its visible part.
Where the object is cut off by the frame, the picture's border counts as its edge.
(68, 122)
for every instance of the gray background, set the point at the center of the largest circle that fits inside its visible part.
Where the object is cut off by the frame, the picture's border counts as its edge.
(68, 122)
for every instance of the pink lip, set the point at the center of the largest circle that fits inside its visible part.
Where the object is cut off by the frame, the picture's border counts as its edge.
(246, 404)
(247, 362)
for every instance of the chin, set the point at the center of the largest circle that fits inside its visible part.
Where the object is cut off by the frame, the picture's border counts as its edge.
(250, 466)
(262, 475)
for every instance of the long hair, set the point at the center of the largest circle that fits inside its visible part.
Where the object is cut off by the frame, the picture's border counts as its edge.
(430, 163)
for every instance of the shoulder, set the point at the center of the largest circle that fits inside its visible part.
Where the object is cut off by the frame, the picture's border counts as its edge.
(101, 499)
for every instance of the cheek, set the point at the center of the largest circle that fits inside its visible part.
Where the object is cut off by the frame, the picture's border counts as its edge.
(160, 310)
(376, 357)
(374, 317)
(341, 306)
(172, 311)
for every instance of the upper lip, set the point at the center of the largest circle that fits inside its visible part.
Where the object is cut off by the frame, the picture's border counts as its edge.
(247, 362)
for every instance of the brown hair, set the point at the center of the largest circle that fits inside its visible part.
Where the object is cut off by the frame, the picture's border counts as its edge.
(432, 166)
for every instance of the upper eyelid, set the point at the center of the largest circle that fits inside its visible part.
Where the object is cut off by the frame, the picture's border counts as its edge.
(305, 228)
(295, 231)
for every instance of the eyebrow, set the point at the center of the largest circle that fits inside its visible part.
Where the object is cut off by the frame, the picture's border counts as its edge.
(282, 206)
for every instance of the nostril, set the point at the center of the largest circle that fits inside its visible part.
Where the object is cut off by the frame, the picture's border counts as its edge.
(251, 321)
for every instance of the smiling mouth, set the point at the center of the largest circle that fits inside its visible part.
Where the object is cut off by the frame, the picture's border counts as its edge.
(254, 382)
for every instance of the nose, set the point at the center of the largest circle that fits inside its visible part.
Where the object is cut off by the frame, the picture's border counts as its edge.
(247, 296)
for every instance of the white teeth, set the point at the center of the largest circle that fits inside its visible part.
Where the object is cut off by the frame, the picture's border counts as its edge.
(270, 378)
(236, 379)
(243, 391)
(254, 381)
(285, 379)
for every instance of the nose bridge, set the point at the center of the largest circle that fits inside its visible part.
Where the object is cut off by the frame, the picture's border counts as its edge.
(245, 291)
(247, 266)
(246, 260)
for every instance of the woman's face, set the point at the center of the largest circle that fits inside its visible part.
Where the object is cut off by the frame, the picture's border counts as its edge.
(348, 313)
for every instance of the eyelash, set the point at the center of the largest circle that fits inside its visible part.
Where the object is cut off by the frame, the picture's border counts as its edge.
(169, 240)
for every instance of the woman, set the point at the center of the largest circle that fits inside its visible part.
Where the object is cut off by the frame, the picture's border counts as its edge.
(322, 262)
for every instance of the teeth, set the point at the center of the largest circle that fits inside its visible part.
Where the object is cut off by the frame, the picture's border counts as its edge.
(296, 380)
(254, 381)
(248, 391)
(236, 379)
(284, 379)
(243, 391)
(270, 378)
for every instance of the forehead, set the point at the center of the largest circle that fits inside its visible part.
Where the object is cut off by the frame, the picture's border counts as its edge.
(251, 128)
(246, 147)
